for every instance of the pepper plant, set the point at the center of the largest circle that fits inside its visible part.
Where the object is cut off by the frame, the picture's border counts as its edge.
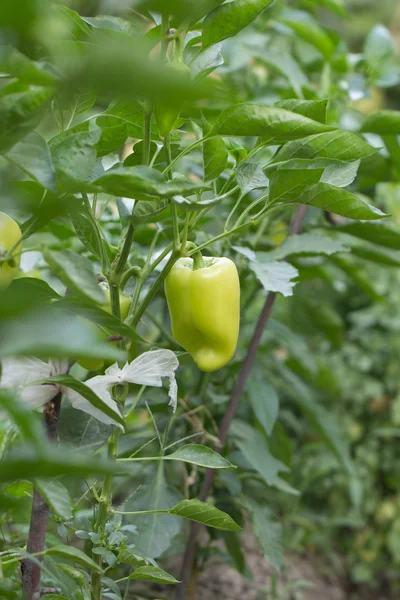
(167, 144)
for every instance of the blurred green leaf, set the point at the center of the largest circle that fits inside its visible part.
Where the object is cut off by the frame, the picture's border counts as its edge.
(227, 20)
(32, 157)
(76, 272)
(22, 107)
(56, 495)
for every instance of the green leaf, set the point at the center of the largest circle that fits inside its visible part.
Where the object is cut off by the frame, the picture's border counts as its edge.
(113, 135)
(14, 63)
(382, 234)
(336, 6)
(274, 276)
(286, 65)
(29, 426)
(197, 454)
(382, 122)
(375, 254)
(99, 316)
(24, 463)
(335, 172)
(378, 46)
(339, 201)
(157, 530)
(89, 232)
(74, 158)
(320, 418)
(206, 61)
(357, 274)
(308, 244)
(153, 574)
(277, 124)
(56, 495)
(76, 272)
(341, 145)
(48, 331)
(255, 450)
(142, 183)
(204, 513)
(215, 158)
(288, 185)
(77, 556)
(128, 558)
(82, 431)
(32, 156)
(313, 109)
(233, 544)
(264, 401)
(269, 534)
(227, 20)
(250, 176)
(88, 394)
(22, 108)
(312, 34)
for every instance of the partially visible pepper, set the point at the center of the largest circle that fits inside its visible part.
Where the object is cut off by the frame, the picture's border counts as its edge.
(203, 298)
(10, 233)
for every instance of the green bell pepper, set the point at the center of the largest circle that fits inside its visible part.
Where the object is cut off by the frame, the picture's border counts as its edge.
(204, 306)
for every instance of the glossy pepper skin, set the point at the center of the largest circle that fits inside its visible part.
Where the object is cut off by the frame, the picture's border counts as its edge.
(204, 306)
(10, 233)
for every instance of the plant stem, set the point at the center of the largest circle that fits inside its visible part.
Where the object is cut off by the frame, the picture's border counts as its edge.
(103, 512)
(40, 512)
(186, 151)
(126, 248)
(237, 391)
(147, 113)
(134, 319)
(174, 214)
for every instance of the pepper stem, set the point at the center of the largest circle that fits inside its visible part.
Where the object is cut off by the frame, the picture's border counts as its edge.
(198, 261)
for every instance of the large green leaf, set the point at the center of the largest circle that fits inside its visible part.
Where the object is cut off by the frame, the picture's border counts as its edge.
(313, 109)
(382, 234)
(341, 145)
(308, 244)
(74, 158)
(153, 574)
(264, 401)
(24, 463)
(339, 201)
(385, 122)
(227, 20)
(32, 156)
(215, 158)
(313, 34)
(204, 513)
(56, 496)
(49, 331)
(77, 556)
(276, 124)
(14, 63)
(76, 272)
(200, 455)
(22, 107)
(142, 182)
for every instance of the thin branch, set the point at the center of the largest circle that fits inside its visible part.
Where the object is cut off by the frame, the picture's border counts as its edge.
(237, 391)
(40, 512)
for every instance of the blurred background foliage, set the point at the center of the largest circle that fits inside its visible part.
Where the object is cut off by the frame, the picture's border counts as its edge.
(327, 368)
